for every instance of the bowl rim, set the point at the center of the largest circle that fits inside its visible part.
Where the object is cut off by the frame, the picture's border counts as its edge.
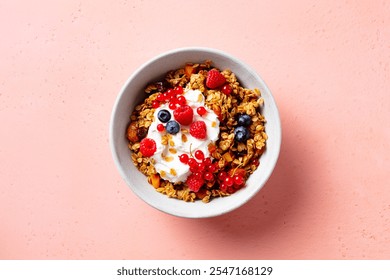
(277, 127)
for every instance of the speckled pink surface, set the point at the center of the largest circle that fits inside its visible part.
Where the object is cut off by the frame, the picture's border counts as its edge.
(62, 64)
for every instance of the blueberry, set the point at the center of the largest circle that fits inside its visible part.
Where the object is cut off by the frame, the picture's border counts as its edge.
(164, 116)
(172, 127)
(241, 134)
(244, 120)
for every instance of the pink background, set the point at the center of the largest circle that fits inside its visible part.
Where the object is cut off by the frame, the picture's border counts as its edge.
(62, 64)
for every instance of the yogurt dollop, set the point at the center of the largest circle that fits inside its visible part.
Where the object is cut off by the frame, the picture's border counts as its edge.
(170, 146)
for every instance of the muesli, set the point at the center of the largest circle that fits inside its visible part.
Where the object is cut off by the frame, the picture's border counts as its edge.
(198, 134)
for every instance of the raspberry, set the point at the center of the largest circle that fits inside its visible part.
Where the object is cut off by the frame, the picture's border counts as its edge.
(194, 182)
(147, 147)
(214, 79)
(183, 115)
(198, 129)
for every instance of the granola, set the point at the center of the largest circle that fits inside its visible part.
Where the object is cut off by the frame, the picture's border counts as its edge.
(223, 166)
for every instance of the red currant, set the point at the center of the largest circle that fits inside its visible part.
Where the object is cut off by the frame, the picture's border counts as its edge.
(201, 166)
(207, 162)
(255, 162)
(199, 155)
(208, 176)
(201, 111)
(192, 162)
(212, 167)
(223, 187)
(160, 97)
(170, 92)
(181, 100)
(160, 127)
(165, 96)
(172, 105)
(230, 190)
(194, 168)
(229, 181)
(179, 90)
(184, 158)
(198, 174)
(227, 89)
(238, 180)
(155, 104)
(222, 175)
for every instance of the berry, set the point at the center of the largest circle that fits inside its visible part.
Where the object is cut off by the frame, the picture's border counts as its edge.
(229, 181)
(172, 127)
(223, 187)
(155, 104)
(255, 162)
(184, 158)
(201, 166)
(214, 79)
(208, 176)
(160, 127)
(237, 171)
(179, 90)
(222, 175)
(244, 120)
(147, 147)
(198, 174)
(198, 129)
(212, 167)
(201, 111)
(172, 105)
(181, 100)
(170, 93)
(183, 114)
(238, 180)
(165, 96)
(194, 182)
(194, 168)
(164, 116)
(241, 134)
(207, 162)
(160, 97)
(227, 89)
(199, 155)
(192, 162)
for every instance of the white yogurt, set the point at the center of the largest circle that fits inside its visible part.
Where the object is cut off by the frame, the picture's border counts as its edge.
(166, 157)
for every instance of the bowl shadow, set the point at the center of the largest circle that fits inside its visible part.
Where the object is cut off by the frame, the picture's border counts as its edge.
(274, 206)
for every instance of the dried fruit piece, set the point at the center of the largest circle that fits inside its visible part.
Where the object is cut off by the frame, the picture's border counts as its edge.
(154, 180)
(132, 132)
(189, 70)
(228, 157)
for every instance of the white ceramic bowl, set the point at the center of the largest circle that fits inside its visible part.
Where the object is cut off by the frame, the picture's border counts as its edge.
(132, 94)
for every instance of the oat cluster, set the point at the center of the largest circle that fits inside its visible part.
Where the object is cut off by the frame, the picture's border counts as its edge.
(229, 155)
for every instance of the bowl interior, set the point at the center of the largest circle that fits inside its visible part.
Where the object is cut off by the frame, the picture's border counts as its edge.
(132, 94)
